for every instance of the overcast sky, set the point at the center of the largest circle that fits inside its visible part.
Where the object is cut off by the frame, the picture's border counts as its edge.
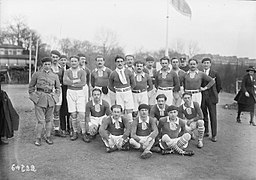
(218, 26)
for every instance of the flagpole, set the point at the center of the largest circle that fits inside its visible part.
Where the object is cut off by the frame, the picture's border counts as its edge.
(30, 54)
(36, 54)
(167, 29)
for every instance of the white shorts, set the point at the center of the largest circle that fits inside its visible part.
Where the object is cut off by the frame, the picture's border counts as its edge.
(168, 94)
(97, 121)
(152, 97)
(76, 100)
(177, 98)
(112, 97)
(113, 140)
(191, 127)
(172, 141)
(86, 93)
(137, 144)
(139, 98)
(105, 97)
(60, 98)
(125, 99)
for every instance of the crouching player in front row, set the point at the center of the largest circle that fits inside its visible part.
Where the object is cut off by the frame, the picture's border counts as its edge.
(193, 114)
(115, 130)
(143, 132)
(96, 110)
(169, 128)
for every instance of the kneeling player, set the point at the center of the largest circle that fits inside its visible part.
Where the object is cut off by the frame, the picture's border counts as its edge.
(191, 111)
(96, 110)
(143, 132)
(169, 128)
(115, 130)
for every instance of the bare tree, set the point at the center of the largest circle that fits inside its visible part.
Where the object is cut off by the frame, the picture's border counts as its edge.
(18, 33)
(179, 46)
(106, 39)
(193, 48)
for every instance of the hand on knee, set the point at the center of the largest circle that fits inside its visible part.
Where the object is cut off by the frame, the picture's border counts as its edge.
(186, 136)
(200, 123)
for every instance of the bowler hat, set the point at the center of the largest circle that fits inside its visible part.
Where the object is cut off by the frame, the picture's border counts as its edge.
(251, 68)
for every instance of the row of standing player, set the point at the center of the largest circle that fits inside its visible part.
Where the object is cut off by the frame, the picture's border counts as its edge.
(166, 82)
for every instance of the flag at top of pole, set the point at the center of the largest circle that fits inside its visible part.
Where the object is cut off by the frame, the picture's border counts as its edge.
(182, 7)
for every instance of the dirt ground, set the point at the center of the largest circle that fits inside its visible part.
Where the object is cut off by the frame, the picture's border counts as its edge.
(232, 157)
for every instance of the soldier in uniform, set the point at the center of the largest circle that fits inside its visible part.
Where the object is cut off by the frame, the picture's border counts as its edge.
(44, 91)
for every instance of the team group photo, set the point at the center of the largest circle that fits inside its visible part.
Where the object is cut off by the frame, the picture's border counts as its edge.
(82, 109)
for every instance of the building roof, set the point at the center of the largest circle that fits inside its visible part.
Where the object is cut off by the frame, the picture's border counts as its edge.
(10, 46)
(23, 56)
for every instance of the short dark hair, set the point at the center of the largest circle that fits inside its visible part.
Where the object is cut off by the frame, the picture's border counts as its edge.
(150, 58)
(164, 58)
(161, 96)
(139, 62)
(119, 57)
(174, 58)
(193, 60)
(116, 106)
(74, 56)
(206, 59)
(129, 55)
(99, 56)
(187, 93)
(97, 89)
(81, 55)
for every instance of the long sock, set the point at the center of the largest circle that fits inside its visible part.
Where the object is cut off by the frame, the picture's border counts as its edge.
(201, 129)
(181, 143)
(134, 143)
(74, 124)
(48, 128)
(81, 121)
(39, 129)
(150, 145)
(252, 116)
(82, 126)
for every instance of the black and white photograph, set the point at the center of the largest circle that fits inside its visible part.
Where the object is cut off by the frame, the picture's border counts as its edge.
(127, 89)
